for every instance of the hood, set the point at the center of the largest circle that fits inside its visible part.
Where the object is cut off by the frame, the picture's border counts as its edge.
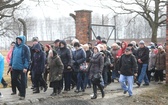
(63, 42)
(23, 38)
(125, 45)
(37, 47)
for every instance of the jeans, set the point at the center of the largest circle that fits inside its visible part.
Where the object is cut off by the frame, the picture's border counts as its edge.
(87, 81)
(143, 75)
(115, 74)
(129, 79)
(12, 83)
(67, 79)
(20, 84)
(105, 78)
(80, 81)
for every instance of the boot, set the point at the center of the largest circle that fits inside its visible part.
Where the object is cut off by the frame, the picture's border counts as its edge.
(36, 90)
(103, 94)
(94, 97)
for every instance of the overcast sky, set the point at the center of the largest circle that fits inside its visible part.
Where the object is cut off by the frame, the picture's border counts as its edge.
(55, 8)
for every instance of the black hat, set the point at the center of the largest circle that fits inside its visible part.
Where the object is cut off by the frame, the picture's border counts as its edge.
(130, 45)
(152, 47)
(76, 44)
(127, 49)
(98, 37)
(57, 40)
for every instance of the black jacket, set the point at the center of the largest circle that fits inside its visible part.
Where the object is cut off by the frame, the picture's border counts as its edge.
(65, 55)
(143, 54)
(128, 65)
(88, 55)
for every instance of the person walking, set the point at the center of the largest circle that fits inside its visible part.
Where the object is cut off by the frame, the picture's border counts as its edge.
(1, 69)
(56, 72)
(38, 66)
(127, 69)
(19, 64)
(143, 59)
(79, 57)
(160, 65)
(66, 58)
(96, 68)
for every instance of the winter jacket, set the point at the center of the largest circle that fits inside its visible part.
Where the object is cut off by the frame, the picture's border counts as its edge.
(1, 66)
(21, 55)
(88, 55)
(79, 57)
(65, 55)
(96, 64)
(143, 54)
(128, 65)
(152, 60)
(56, 68)
(161, 61)
(39, 58)
(8, 57)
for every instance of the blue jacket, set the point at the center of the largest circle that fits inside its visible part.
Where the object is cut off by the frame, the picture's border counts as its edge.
(79, 57)
(39, 58)
(21, 55)
(1, 66)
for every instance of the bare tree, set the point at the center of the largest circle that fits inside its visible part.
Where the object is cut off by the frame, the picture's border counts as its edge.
(151, 10)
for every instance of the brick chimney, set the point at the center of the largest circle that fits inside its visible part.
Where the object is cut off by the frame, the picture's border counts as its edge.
(167, 45)
(83, 21)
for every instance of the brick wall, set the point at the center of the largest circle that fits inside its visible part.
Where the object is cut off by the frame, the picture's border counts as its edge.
(83, 20)
(167, 46)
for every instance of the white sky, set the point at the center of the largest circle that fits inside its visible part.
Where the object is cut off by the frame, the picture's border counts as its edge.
(59, 8)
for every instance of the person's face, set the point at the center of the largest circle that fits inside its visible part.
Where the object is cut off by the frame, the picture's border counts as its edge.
(141, 45)
(101, 48)
(152, 50)
(95, 50)
(97, 40)
(36, 50)
(62, 45)
(128, 52)
(35, 42)
(19, 41)
(56, 44)
(130, 47)
(46, 48)
(12, 45)
(123, 45)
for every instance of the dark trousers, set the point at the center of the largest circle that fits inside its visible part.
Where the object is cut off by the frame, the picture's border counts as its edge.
(20, 83)
(159, 75)
(13, 84)
(3, 82)
(39, 81)
(95, 88)
(67, 79)
(74, 79)
(105, 77)
(80, 81)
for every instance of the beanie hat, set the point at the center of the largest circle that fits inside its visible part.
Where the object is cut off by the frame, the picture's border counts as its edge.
(35, 39)
(141, 42)
(152, 47)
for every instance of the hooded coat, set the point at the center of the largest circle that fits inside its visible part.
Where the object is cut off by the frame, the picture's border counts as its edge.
(65, 55)
(56, 68)
(161, 61)
(21, 55)
(39, 59)
(1, 66)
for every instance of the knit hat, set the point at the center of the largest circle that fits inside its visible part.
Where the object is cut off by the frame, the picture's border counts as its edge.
(141, 42)
(130, 45)
(133, 42)
(127, 49)
(35, 39)
(56, 41)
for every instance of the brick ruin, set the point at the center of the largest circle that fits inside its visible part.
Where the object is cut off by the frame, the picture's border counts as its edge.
(83, 20)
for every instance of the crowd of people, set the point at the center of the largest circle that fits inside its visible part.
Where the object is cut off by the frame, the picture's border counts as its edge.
(82, 66)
